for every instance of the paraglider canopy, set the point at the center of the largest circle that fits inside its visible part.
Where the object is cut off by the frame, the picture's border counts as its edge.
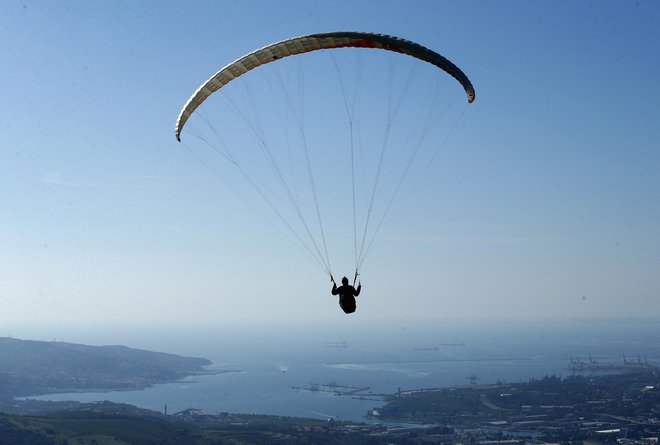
(314, 42)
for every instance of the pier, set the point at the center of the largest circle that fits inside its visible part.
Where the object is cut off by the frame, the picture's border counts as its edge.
(357, 392)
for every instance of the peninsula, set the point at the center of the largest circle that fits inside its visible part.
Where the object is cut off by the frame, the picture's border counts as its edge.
(30, 368)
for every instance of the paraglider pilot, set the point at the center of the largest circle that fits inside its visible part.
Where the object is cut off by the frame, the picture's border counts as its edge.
(347, 294)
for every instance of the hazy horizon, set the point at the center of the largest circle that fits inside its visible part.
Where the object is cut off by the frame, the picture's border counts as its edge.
(191, 339)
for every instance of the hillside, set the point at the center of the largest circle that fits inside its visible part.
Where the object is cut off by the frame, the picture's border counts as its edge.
(37, 367)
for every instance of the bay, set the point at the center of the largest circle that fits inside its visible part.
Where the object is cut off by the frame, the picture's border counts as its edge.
(262, 367)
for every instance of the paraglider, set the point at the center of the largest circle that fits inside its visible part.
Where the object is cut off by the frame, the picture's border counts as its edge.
(347, 294)
(287, 207)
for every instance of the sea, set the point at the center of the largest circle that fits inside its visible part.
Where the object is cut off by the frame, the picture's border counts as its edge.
(295, 370)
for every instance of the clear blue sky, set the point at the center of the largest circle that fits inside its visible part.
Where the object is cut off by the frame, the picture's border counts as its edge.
(544, 205)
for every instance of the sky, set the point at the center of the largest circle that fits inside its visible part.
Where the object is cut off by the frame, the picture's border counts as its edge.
(542, 204)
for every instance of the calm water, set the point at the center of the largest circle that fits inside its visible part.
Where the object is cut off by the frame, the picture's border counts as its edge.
(268, 362)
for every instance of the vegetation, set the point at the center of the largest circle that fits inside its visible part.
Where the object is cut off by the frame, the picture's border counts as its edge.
(105, 428)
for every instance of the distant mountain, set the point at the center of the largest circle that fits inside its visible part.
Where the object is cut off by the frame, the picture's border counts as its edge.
(38, 367)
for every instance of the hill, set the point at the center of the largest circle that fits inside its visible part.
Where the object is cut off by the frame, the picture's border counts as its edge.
(37, 367)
